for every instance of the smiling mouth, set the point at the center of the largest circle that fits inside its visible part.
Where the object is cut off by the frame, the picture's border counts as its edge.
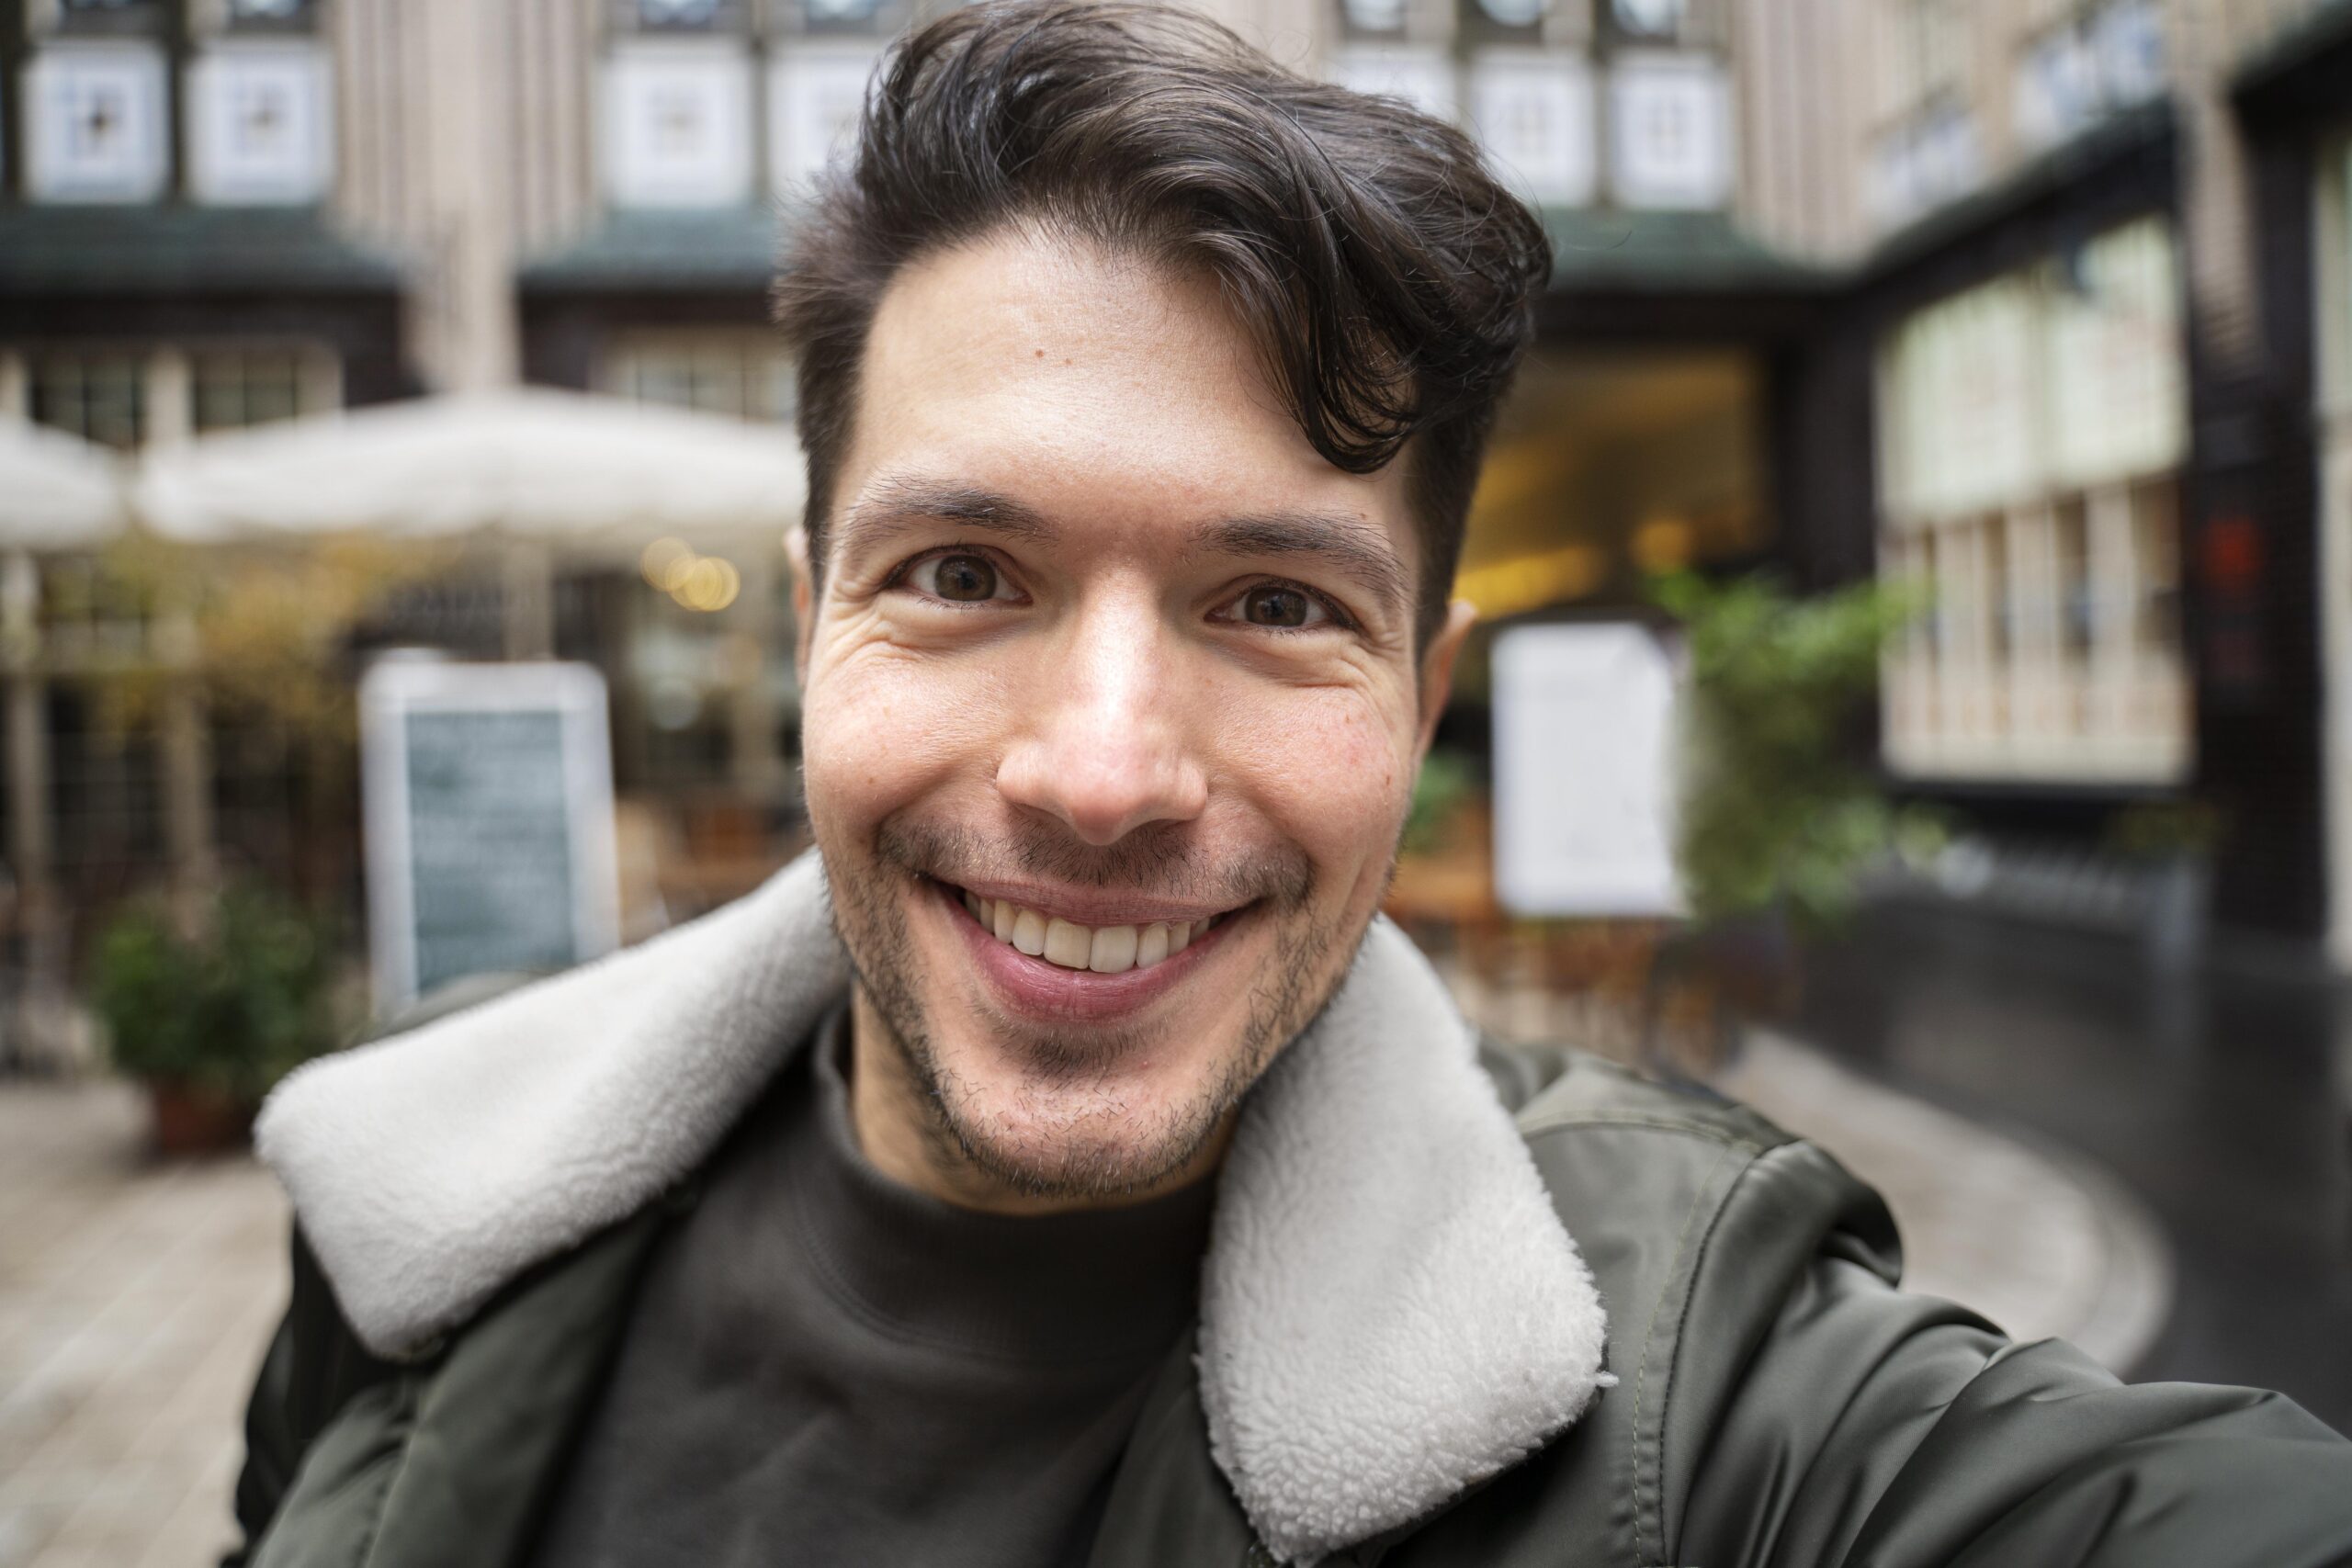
(1102, 950)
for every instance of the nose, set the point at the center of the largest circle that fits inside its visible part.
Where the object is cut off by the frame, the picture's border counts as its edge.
(1107, 746)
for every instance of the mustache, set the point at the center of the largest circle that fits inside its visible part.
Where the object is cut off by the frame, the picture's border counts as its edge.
(1164, 859)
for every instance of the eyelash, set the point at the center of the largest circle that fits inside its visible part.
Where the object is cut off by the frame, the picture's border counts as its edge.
(1341, 619)
(905, 569)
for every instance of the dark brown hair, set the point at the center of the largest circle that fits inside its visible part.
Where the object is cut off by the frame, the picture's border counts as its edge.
(1387, 278)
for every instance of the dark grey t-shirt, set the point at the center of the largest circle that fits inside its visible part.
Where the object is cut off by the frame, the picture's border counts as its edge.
(824, 1366)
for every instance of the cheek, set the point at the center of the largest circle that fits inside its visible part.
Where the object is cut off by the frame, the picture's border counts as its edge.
(1333, 769)
(878, 729)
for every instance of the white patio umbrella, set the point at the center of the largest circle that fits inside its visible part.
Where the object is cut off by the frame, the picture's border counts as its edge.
(57, 492)
(528, 463)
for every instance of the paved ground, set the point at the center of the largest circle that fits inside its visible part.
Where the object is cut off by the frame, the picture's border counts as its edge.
(2037, 1238)
(2222, 1096)
(134, 1301)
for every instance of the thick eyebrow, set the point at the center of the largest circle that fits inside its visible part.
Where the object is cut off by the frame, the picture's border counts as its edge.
(1353, 546)
(894, 506)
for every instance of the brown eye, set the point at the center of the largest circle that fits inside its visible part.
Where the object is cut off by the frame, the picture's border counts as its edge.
(963, 580)
(1274, 605)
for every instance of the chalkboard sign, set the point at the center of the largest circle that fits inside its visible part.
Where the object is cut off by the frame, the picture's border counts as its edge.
(489, 815)
(1584, 717)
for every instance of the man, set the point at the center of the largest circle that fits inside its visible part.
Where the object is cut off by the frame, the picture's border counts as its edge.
(1064, 1165)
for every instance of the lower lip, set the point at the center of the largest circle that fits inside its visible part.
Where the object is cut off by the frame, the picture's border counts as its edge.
(1055, 995)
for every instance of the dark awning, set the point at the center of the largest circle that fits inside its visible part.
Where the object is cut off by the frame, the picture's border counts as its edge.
(176, 249)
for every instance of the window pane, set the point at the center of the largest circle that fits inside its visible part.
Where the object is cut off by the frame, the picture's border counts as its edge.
(235, 390)
(97, 397)
(745, 375)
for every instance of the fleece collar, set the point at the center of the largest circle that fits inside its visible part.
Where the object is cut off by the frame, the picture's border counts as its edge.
(1390, 1309)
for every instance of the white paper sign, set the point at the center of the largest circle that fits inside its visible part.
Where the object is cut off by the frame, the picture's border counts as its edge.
(488, 802)
(1584, 779)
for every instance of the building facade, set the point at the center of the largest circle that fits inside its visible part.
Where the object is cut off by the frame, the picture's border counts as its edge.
(2094, 275)
(1997, 293)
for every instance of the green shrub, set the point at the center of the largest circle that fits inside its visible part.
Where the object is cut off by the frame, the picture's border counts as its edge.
(1775, 813)
(1445, 783)
(231, 1010)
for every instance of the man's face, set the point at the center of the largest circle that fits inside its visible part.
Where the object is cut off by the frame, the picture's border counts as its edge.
(1112, 710)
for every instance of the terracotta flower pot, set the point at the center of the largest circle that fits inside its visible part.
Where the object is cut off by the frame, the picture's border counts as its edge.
(191, 1120)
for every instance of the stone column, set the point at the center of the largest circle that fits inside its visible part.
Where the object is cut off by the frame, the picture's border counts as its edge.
(27, 747)
(185, 740)
(527, 599)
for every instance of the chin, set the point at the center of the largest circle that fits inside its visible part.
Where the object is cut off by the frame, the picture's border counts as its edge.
(1026, 1109)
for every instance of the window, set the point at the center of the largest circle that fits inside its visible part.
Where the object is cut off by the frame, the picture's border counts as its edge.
(853, 16)
(1649, 18)
(2078, 601)
(745, 374)
(1669, 130)
(273, 15)
(1534, 115)
(2000, 618)
(1375, 18)
(106, 798)
(678, 15)
(815, 91)
(236, 387)
(2105, 57)
(2155, 606)
(2032, 431)
(1502, 22)
(677, 123)
(260, 121)
(98, 397)
(110, 17)
(107, 395)
(96, 121)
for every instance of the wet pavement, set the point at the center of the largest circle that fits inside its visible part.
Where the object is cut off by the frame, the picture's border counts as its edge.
(2221, 1094)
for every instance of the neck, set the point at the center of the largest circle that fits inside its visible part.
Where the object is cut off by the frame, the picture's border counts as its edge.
(904, 1135)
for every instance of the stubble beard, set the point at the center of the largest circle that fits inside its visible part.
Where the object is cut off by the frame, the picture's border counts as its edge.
(1079, 1139)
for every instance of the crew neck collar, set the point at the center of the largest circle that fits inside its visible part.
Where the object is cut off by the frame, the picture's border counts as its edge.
(1104, 1283)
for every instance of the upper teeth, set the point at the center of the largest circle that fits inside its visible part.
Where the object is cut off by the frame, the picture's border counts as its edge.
(1106, 950)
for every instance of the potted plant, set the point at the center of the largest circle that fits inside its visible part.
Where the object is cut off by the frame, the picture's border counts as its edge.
(210, 1020)
(1776, 821)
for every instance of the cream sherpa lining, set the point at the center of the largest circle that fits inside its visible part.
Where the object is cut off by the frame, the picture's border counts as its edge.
(1390, 1309)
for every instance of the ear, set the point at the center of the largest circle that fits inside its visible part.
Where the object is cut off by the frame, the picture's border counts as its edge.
(804, 620)
(1437, 669)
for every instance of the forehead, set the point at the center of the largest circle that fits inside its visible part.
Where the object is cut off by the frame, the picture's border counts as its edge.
(1087, 384)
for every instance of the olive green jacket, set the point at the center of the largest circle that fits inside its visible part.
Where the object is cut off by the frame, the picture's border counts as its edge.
(1379, 1375)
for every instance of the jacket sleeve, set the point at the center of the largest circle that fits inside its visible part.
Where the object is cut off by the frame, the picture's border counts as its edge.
(315, 1362)
(1855, 1424)
(314, 1365)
